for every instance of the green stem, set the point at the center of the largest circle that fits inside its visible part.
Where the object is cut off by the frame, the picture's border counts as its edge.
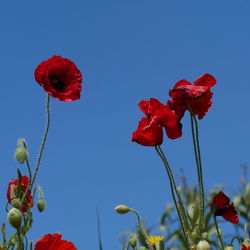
(20, 243)
(43, 141)
(29, 186)
(174, 188)
(195, 137)
(143, 231)
(238, 238)
(218, 233)
(199, 156)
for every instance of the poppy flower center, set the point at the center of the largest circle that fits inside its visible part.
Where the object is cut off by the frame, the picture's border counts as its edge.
(56, 83)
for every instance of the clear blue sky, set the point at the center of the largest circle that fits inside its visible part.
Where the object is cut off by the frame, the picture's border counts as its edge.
(127, 51)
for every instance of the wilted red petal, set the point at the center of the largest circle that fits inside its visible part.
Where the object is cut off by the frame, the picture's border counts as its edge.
(149, 107)
(148, 133)
(220, 201)
(230, 214)
(174, 132)
(200, 106)
(194, 97)
(205, 80)
(182, 82)
(170, 122)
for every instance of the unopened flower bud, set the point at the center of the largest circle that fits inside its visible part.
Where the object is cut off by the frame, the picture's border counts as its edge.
(16, 203)
(21, 154)
(15, 217)
(142, 248)
(41, 204)
(132, 241)
(122, 209)
(229, 247)
(203, 245)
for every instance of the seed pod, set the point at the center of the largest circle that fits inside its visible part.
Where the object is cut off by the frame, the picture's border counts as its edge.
(122, 209)
(132, 241)
(229, 247)
(21, 154)
(203, 245)
(15, 217)
(41, 205)
(16, 203)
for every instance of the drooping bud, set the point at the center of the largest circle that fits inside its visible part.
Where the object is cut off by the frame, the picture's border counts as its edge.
(132, 241)
(21, 154)
(16, 203)
(41, 205)
(15, 218)
(229, 247)
(122, 209)
(203, 245)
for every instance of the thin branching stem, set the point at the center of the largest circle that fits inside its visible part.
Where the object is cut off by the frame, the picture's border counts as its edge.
(43, 141)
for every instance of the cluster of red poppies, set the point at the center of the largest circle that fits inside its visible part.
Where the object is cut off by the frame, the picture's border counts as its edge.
(196, 98)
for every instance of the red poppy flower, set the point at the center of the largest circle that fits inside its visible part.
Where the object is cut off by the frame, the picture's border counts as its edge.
(54, 242)
(221, 206)
(158, 115)
(60, 78)
(195, 97)
(243, 247)
(12, 192)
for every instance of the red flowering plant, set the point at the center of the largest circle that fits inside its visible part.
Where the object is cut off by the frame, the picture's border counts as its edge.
(196, 99)
(62, 80)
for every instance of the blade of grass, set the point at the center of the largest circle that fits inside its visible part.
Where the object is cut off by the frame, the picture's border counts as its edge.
(99, 230)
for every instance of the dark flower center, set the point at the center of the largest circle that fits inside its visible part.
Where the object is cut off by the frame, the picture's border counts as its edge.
(56, 83)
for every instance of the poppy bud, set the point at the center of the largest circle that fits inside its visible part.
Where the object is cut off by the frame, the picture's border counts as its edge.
(21, 154)
(122, 209)
(132, 241)
(203, 245)
(16, 203)
(142, 248)
(15, 218)
(229, 247)
(41, 204)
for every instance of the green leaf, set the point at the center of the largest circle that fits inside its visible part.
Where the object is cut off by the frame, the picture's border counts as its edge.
(19, 186)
